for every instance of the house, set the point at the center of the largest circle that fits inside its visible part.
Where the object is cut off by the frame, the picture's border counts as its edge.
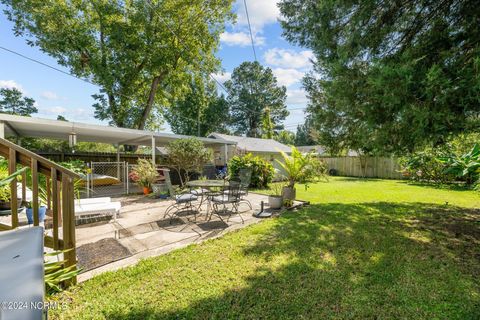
(268, 149)
(317, 150)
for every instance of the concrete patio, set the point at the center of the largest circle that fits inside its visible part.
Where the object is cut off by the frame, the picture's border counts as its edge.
(142, 231)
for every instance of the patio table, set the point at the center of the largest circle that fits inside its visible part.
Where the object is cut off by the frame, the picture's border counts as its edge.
(207, 184)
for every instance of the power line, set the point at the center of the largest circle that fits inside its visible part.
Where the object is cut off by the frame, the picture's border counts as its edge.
(171, 31)
(47, 65)
(71, 75)
(180, 40)
(250, 29)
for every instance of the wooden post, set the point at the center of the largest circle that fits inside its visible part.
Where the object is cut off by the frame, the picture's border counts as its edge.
(68, 210)
(55, 203)
(12, 167)
(34, 168)
(49, 193)
(24, 186)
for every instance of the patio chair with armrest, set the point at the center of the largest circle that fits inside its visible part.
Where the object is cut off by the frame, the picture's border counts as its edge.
(231, 196)
(184, 202)
(245, 177)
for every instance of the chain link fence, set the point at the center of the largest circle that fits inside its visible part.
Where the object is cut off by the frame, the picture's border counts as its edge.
(107, 179)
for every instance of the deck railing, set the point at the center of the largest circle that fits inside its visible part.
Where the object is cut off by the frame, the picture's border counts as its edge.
(59, 188)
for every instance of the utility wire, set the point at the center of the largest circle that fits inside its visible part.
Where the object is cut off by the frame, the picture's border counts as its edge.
(72, 75)
(47, 65)
(250, 29)
(171, 31)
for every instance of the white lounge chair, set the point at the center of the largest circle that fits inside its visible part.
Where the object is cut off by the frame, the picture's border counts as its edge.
(102, 205)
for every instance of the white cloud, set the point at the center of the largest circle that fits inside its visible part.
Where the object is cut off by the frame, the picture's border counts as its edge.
(49, 95)
(288, 58)
(261, 13)
(74, 114)
(241, 39)
(10, 84)
(52, 110)
(297, 97)
(222, 77)
(287, 77)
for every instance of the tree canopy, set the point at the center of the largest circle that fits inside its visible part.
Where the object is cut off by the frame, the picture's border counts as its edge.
(13, 102)
(389, 76)
(304, 134)
(200, 112)
(140, 53)
(285, 137)
(252, 89)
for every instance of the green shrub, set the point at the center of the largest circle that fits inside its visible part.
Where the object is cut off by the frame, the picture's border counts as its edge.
(426, 166)
(262, 170)
(188, 155)
(465, 167)
(77, 166)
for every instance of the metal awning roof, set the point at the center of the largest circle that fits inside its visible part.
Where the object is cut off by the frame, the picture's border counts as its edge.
(56, 129)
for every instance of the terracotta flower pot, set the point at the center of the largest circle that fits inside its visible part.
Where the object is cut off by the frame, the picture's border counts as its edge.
(146, 190)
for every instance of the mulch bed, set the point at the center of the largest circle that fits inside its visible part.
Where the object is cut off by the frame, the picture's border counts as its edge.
(97, 254)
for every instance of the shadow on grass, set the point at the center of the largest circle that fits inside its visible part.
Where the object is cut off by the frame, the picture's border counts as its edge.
(360, 261)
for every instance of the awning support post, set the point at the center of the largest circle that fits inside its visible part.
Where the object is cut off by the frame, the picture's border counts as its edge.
(118, 162)
(226, 154)
(153, 151)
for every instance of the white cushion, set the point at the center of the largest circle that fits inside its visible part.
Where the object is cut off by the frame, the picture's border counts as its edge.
(93, 200)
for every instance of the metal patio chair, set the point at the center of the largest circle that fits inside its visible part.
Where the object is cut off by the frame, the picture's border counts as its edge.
(184, 202)
(231, 196)
(245, 177)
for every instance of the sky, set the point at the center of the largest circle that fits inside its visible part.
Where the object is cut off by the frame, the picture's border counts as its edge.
(56, 93)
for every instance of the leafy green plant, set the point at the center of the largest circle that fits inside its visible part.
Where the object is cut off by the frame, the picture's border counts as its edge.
(144, 173)
(6, 179)
(426, 166)
(56, 273)
(277, 188)
(77, 166)
(288, 203)
(465, 166)
(188, 156)
(42, 197)
(262, 170)
(301, 168)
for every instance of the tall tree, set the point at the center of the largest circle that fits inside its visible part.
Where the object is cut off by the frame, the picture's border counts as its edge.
(138, 52)
(285, 137)
(304, 135)
(200, 112)
(389, 76)
(12, 101)
(252, 89)
(267, 125)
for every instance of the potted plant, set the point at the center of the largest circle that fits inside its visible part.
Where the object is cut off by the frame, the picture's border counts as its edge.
(275, 200)
(42, 206)
(299, 168)
(144, 174)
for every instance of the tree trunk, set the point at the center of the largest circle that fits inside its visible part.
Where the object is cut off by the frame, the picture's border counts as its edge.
(151, 98)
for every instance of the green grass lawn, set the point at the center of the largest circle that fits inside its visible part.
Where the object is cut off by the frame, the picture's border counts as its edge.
(374, 249)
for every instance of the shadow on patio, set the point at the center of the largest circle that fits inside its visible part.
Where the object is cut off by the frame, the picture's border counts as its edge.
(141, 229)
